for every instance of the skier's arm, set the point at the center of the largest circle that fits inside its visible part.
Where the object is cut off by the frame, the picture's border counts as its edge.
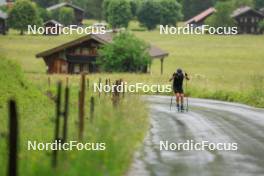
(172, 77)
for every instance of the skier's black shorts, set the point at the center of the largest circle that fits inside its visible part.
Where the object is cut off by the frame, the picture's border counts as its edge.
(178, 90)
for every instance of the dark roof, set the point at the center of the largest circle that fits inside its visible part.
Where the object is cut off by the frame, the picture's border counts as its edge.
(201, 16)
(154, 51)
(3, 15)
(243, 10)
(63, 4)
(53, 22)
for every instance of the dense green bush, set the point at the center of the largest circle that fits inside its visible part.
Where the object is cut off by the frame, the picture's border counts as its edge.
(125, 54)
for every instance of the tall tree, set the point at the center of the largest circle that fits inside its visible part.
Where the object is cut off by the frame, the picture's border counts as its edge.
(66, 16)
(222, 17)
(170, 12)
(119, 13)
(46, 3)
(239, 3)
(23, 13)
(94, 9)
(194, 7)
(259, 4)
(149, 14)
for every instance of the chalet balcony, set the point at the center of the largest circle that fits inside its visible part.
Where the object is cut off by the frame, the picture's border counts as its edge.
(73, 58)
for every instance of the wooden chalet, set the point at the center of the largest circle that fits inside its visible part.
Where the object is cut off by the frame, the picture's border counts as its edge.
(78, 12)
(52, 27)
(80, 55)
(247, 20)
(199, 19)
(3, 23)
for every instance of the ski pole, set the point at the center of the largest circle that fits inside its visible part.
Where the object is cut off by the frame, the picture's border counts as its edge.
(187, 101)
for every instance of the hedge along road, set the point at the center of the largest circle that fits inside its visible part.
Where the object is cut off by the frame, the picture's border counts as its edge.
(207, 120)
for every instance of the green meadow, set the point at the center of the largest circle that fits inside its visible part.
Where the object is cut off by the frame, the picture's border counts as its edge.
(227, 68)
(221, 67)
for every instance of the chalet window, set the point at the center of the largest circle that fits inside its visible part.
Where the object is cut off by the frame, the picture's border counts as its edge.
(64, 68)
(245, 19)
(86, 68)
(253, 20)
(76, 68)
(85, 51)
(252, 29)
(241, 20)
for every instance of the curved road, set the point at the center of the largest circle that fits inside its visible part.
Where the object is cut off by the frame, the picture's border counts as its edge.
(207, 120)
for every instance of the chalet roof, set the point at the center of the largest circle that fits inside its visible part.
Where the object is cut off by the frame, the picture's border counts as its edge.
(201, 16)
(154, 51)
(53, 22)
(3, 15)
(63, 4)
(243, 10)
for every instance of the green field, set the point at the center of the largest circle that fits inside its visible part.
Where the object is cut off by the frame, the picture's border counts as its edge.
(221, 67)
(36, 123)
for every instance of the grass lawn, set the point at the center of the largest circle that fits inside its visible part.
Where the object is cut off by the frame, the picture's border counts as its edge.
(221, 67)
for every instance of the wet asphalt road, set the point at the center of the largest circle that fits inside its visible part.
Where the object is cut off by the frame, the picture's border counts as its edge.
(207, 120)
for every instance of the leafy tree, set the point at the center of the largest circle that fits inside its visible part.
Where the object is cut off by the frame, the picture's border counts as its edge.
(259, 4)
(94, 9)
(55, 14)
(239, 3)
(125, 54)
(222, 17)
(118, 13)
(105, 7)
(186, 4)
(66, 16)
(134, 4)
(261, 26)
(149, 14)
(46, 3)
(170, 12)
(194, 7)
(23, 13)
(44, 14)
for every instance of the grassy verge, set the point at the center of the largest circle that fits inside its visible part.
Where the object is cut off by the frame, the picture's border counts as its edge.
(221, 67)
(122, 128)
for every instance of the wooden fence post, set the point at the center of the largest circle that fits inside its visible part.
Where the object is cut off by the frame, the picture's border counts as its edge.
(92, 109)
(123, 86)
(81, 107)
(49, 82)
(13, 139)
(57, 125)
(67, 81)
(87, 83)
(65, 114)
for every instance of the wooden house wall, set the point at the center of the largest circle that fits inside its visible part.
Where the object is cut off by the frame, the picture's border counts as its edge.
(248, 23)
(58, 63)
(3, 27)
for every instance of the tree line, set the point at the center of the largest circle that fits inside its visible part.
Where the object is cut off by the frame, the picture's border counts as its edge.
(118, 13)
